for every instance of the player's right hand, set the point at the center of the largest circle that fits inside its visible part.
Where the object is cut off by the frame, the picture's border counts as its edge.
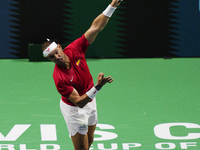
(115, 3)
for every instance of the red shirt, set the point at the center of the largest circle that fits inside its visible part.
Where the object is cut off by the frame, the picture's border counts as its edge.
(78, 76)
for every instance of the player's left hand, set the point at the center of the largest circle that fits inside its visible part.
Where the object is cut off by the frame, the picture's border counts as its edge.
(101, 80)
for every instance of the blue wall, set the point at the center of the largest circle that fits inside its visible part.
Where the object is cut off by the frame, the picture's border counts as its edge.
(139, 29)
(188, 24)
(6, 29)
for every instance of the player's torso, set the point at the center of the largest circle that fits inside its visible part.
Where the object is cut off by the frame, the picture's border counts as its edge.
(78, 75)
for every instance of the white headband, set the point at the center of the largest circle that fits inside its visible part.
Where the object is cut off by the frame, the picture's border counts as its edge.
(49, 49)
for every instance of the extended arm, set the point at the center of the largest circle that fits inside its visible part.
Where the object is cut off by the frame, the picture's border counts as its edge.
(99, 23)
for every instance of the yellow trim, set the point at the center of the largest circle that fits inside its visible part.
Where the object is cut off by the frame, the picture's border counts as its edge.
(78, 62)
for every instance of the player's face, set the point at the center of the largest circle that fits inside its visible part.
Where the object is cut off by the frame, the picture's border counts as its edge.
(57, 56)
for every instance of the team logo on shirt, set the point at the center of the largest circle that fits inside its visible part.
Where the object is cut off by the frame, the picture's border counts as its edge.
(78, 62)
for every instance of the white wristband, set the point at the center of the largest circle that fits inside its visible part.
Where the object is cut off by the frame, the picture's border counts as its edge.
(109, 11)
(92, 92)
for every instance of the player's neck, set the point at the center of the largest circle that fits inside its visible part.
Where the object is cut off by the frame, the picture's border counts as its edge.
(67, 62)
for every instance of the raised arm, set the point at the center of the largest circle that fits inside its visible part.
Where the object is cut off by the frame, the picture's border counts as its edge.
(100, 22)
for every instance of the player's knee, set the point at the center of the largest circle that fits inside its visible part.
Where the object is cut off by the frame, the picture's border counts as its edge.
(82, 147)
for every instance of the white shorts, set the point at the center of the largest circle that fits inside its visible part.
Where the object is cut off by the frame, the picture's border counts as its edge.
(78, 119)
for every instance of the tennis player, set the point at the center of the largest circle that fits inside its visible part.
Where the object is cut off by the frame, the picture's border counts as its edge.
(75, 84)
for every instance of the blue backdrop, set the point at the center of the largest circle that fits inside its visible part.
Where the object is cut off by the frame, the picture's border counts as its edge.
(182, 19)
(6, 40)
(188, 25)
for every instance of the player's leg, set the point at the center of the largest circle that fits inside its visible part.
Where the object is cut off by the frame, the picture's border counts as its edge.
(91, 130)
(92, 121)
(73, 118)
(83, 142)
(80, 141)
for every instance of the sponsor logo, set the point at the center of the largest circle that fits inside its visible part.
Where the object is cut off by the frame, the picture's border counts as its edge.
(103, 133)
(71, 79)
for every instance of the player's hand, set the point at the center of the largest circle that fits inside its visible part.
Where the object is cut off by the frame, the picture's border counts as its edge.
(115, 3)
(101, 80)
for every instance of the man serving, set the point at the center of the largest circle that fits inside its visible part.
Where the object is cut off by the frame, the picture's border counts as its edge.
(74, 81)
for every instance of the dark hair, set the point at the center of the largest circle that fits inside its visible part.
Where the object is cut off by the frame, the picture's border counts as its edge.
(46, 44)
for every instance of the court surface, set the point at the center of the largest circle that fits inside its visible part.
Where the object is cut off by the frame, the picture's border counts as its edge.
(152, 104)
